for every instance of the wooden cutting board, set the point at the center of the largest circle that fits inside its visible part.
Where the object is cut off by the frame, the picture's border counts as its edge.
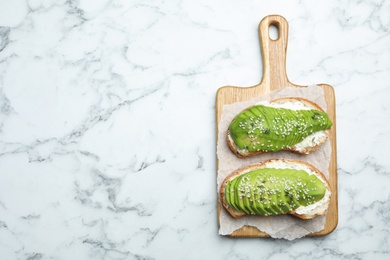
(275, 77)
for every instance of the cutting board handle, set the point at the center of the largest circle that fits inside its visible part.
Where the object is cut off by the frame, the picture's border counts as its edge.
(274, 53)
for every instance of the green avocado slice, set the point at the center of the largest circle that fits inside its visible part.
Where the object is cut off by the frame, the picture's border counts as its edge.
(246, 195)
(271, 191)
(284, 203)
(260, 196)
(266, 196)
(240, 196)
(248, 204)
(255, 195)
(229, 193)
(233, 193)
(263, 128)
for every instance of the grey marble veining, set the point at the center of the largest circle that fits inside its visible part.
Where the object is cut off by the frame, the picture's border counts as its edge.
(107, 124)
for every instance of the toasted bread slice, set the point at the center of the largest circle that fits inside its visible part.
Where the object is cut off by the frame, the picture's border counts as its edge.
(307, 145)
(318, 208)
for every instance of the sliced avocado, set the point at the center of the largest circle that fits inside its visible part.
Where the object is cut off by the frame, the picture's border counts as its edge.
(277, 127)
(273, 197)
(316, 188)
(284, 202)
(261, 206)
(248, 203)
(239, 196)
(268, 205)
(230, 195)
(255, 194)
(234, 194)
(247, 198)
(294, 202)
(282, 190)
(259, 198)
(227, 193)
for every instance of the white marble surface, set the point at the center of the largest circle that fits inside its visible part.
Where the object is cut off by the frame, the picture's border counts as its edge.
(107, 124)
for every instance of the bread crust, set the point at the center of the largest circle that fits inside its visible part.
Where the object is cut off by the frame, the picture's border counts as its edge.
(236, 214)
(293, 148)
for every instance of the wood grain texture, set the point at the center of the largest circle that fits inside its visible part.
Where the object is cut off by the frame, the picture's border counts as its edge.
(275, 77)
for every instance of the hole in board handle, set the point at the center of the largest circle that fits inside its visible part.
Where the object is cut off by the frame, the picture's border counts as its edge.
(273, 31)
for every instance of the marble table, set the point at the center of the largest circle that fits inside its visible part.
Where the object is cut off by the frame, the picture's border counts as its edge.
(107, 124)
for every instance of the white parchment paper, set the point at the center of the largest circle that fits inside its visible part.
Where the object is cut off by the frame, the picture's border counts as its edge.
(283, 226)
